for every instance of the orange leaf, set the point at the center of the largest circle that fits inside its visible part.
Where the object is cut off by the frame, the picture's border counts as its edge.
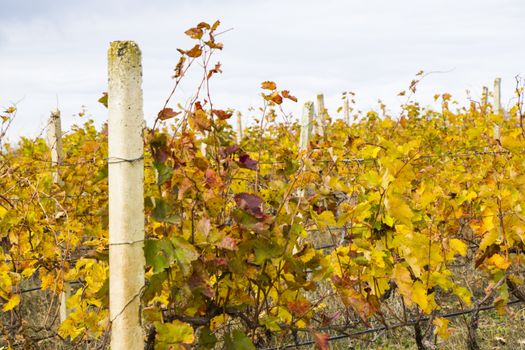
(200, 120)
(194, 33)
(179, 66)
(215, 70)
(215, 25)
(286, 94)
(275, 97)
(321, 341)
(195, 51)
(167, 113)
(203, 25)
(213, 45)
(223, 115)
(268, 85)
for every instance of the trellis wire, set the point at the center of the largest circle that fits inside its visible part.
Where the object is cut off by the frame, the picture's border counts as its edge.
(398, 325)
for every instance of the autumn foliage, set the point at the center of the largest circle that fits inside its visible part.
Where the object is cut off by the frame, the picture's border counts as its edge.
(250, 244)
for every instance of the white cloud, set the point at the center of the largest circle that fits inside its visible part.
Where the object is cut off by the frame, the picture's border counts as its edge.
(371, 47)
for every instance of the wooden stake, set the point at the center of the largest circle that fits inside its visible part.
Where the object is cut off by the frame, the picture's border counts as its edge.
(126, 194)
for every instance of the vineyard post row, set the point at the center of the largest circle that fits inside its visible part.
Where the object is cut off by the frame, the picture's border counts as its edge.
(126, 194)
(126, 182)
(54, 139)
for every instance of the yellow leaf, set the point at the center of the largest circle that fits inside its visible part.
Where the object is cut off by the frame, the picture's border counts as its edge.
(47, 280)
(419, 296)
(464, 294)
(403, 280)
(499, 261)
(13, 301)
(488, 239)
(28, 272)
(68, 328)
(399, 210)
(488, 222)
(441, 327)
(458, 246)
(217, 321)
(387, 219)
(324, 220)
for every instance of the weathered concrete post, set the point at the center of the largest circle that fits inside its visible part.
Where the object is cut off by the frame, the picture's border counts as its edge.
(126, 194)
(346, 111)
(306, 125)
(497, 95)
(484, 96)
(497, 107)
(54, 140)
(239, 128)
(321, 115)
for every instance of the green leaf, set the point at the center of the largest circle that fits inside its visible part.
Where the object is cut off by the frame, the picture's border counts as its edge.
(154, 286)
(207, 339)
(162, 212)
(159, 254)
(173, 335)
(163, 172)
(184, 253)
(237, 340)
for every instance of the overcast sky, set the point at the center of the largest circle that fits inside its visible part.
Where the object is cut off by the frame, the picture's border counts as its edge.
(56, 50)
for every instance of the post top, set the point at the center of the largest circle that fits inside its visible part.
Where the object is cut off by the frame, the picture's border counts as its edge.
(119, 50)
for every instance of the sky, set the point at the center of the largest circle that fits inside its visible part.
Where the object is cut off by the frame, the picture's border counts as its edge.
(53, 53)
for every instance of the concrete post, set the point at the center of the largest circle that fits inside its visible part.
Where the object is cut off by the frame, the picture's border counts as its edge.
(346, 111)
(239, 128)
(497, 107)
(306, 125)
(54, 140)
(126, 194)
(321, 115)
(497, 95)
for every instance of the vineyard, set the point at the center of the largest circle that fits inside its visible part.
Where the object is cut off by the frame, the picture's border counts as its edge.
(335, 229)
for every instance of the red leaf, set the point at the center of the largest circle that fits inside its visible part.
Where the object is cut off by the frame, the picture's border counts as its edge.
(167, 113)
(299, 307)
(197, 106)
(246, 162)
(251, 203)
(227, 243)
(228, 151)
(211, 178)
